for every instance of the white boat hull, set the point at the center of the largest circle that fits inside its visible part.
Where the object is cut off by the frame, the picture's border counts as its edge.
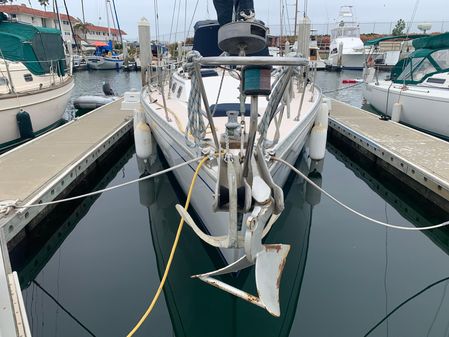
(45, 108)
(423, 108)
(104, 63)
(172, 144)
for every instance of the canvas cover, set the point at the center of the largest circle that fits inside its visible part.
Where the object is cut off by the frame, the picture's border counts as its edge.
(439, 41)
(38, 48)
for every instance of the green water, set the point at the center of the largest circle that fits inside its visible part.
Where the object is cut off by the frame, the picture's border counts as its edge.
(101, 258)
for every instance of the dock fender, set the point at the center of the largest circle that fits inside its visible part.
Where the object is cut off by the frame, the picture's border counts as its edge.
(25, 125)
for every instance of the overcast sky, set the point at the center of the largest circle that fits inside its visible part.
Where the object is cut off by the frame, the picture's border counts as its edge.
(319, 11)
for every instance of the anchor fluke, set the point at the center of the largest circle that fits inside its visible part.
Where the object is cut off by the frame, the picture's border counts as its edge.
(270, 264)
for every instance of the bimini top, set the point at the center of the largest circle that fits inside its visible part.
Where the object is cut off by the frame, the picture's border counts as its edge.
(430, 57)
(376, 42)
(37, 48)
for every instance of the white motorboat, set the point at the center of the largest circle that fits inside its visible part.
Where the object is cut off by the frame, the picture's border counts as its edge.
(35, 87)
(346, 50)
(239, 191)
(417, 93)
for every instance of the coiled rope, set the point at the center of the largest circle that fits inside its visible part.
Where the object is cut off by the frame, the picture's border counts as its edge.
(354, 211)
(195, 124)
(172, 253)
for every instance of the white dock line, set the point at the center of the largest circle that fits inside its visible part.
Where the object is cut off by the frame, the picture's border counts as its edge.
(417, 229)
(6, 207)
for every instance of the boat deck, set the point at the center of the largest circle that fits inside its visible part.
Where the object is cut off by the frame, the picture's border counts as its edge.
(178, 115)
(419, 156)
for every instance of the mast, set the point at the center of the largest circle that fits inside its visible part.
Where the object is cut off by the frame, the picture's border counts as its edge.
(82, 9)
(55, 4)
(296, 17)
(107, 19)
(118, 23)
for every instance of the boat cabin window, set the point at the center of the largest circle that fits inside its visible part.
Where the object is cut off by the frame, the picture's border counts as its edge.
(173, 87)
(345, 32)
(441, 57)
(406, 74)
(28, 77)
(422, 70)
(178, 94)
(3, 80)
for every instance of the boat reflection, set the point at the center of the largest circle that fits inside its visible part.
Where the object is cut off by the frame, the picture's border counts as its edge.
(198, 310)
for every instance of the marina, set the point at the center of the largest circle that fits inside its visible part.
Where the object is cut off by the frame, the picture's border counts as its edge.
(221, 180)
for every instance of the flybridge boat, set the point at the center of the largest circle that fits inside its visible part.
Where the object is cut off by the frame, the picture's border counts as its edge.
(346, 48)
(417, 93)
(238, 195)
(35, 81)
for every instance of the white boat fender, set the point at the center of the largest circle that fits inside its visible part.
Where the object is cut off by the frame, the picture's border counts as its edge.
(142, 136)
(396, 113)
(322, 116)
(318, 138)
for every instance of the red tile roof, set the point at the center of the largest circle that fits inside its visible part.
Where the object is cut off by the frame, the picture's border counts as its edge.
(22, 9)
(94, 28)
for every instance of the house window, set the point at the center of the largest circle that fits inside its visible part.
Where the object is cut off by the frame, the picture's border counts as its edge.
(65, 22)
(28, 77)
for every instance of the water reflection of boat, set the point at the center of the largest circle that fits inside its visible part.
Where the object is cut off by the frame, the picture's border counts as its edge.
(188, 301)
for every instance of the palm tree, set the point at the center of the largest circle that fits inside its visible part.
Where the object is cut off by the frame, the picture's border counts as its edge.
(44, 3)
(83, 27)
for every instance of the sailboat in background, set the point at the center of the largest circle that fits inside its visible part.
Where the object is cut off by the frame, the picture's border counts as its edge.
(35, 81)
(105, 58)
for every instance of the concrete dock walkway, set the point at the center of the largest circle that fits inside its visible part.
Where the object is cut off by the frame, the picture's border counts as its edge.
(43, 170)
(422, 158)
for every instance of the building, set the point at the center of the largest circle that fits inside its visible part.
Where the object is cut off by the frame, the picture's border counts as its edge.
(42, 18)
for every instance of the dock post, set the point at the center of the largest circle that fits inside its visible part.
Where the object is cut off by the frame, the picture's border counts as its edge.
(145, 48)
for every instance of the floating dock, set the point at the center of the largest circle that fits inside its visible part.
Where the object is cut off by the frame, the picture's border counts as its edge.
(419, 160)
(43, 170)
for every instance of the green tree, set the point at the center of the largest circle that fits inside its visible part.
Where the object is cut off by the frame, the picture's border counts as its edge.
(44, 3)
(82, 28)
(399, 28)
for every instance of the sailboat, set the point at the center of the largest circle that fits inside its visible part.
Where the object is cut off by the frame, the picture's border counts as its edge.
(238, 196)
(35, 81)
(159, 195)
(104, 57)
(417, 92)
